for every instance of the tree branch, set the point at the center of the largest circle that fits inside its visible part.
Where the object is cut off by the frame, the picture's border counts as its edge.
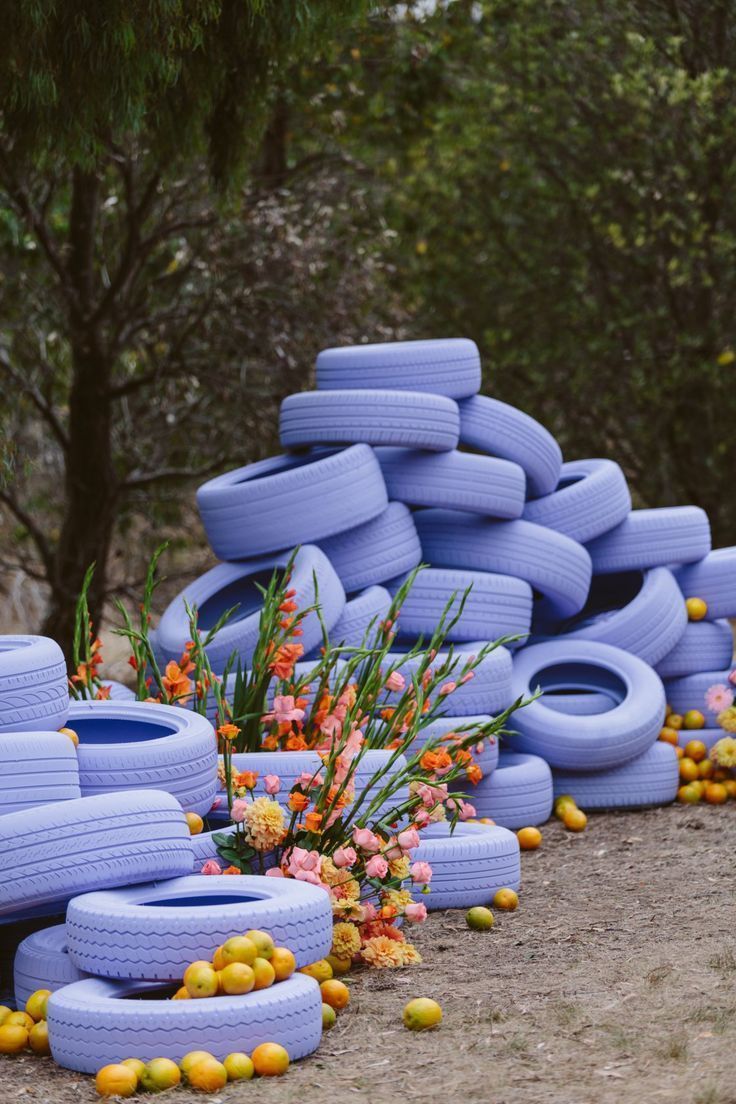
(38, 538)
(43, 407)
(134, 482)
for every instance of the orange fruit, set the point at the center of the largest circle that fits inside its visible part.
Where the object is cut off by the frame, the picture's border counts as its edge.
(238, 1067)
(159, 1074)
(695, 750)
(71, 734)
(134, 1064)
(13, 1038)
(689, 794)
(705, 769)
(693, 719)
(270, 1060)
(116, 1080)
(283, 962)
(696, 608)
(529, 838)
(237, 978)
(479, 918)
(36, 1004)
(335, 993)
(699, 786)
(239, 949)
(4, 1013)
(667, 710)
(422, 1013)
(22, 1019)
(200, 979)
(720, 774)
(563, 802)
(208, 1075)
(195, 822)
(38, 1038)
(506, 899)
(339, 965)
(574, 820)
(329, 1016)
(716, 793)
(668, 736)
(264, 972)
(688, 769)
(217, 960)
(263, 941)
(730, 784)
(674, 720)
(680, 752)
(191, 1058)
(320, 971)
(181, 994)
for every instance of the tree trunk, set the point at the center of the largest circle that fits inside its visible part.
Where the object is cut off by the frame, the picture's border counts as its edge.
(90, 480)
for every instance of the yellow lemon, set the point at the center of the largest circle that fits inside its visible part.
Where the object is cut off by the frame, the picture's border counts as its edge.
(422, 1013)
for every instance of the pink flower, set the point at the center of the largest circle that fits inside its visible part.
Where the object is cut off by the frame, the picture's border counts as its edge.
(466, 809)
(395, 681)
(366, 840)
(421, 872)
(377, 867)
(306, 780)
(422, 818)
(370, 912)
(211, 867)
(331, 727)
(271, 783)
(432, 795)
(284, 710)
(732, 677)
(275, 872)
(446, 688)
(304, 865)
(718, 698)
(408, 839)
(467, 677)
(237, 813)
(416, 912)
(345, 856)
(216, 803)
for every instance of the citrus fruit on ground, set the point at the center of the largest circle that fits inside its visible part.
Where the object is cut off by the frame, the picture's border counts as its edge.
(181, 994)
(239, 949)
(4, 1013)
(688, 794)
(688, 769)
(574, 820)
(263, 941)
(21, 1018)
(479, 918)
(335, 993)
(159, 1074)
(730, 784)
(207, 1075)
(195, 822)
(116, 1080)
(320, 970)
(71, 734)
(696, 608)
(38, 1038)
(134, 1064)
(239, 1067)
(36, 1004)
(200, 980)
(13, 1038)
(693, 719)
(529, 838)
(283, 962)
(564, 801)
(668, 736)
(329, 1016)
(421, 1013)
(699, 786)
(674, 720)
(237, 978)
(506, 899)
(339, 965)
(191, 1058)
(264, 972)
(705, 770)
(695, 750)
(270, 1060)
(716, 793)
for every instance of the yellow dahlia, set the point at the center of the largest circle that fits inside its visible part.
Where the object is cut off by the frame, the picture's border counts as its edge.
(727, 719)
(345, 940)
(399, 868)
(724, 752)
(264, 823)
(399, 898)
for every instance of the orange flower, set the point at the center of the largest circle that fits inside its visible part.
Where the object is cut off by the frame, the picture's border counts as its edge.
(282, 665)
(387, 912)
(176, 682)
(103, 693)
(296, 743)
(462, 756)
(247, 779)
(232, 870)
(298, 802)
(228, 731)
(474, 773)
(270, 743)
(313, 821)
(436, 761)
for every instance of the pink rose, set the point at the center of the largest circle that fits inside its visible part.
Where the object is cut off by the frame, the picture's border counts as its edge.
(395, 682)
(211, 867)
(416, 912)
(304, 865)
(370, 912)
(237, 813)
(345, 856)
(377, 867)
(272, 783)
(366, 840)
(466, 809)
(446, 688)
(422, 818)
(408, 839)
(421, 872)
(275, 872)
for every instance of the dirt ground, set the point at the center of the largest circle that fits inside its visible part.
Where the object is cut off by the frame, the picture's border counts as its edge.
(614, 981)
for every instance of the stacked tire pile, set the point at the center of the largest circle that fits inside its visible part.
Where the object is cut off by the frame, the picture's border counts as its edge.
(395, 459)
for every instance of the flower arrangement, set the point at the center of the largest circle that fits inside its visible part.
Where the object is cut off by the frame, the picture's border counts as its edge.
(358, 843)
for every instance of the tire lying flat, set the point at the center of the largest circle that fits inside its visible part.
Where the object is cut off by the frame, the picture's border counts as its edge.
(497, 605)
(457, 480)
(42, 962)
(36, 768)
(518, 794)
(652, 538)
(489, 691)
(34, 694)
(447, 366)
(409, 419)
(689, 692)
(714, 580)
(377, 551)
(704, 646)
(499, 429)
(469, 865)
(591, 497)
(650, 779)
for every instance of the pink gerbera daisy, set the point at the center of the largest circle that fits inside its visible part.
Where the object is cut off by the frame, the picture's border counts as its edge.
(718, 698)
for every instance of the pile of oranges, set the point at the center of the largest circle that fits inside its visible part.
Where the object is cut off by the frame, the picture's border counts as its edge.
(567, 811)
(198, 1069)
(701, 779)
(241, 964)
(21, 1030)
